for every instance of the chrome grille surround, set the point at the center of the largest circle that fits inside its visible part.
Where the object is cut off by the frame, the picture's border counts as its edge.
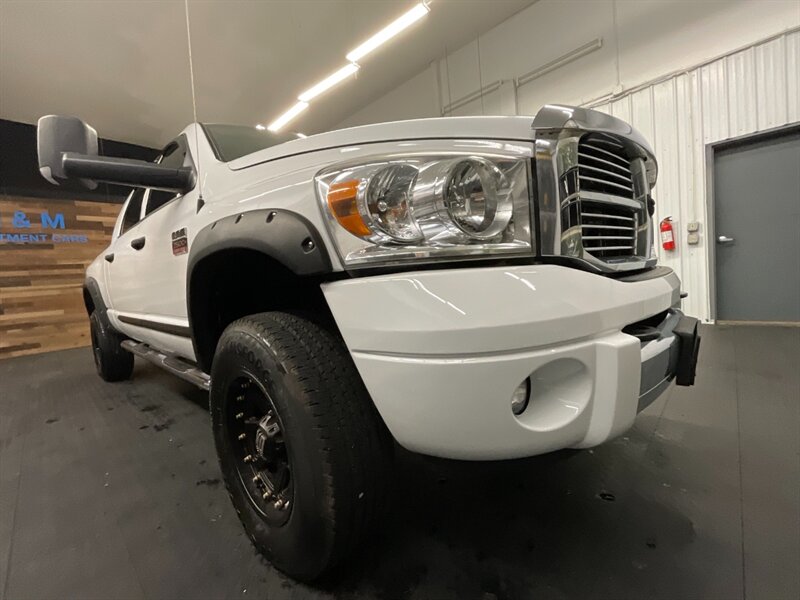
(594, 176)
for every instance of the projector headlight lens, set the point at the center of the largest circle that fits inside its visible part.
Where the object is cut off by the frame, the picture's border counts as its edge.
(425, 208)
(477, 198)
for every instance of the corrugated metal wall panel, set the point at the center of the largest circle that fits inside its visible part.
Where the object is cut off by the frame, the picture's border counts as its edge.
(714, 94)
(771, 86)
(743, 93)
(622, 109)
(741, 98)
(665, 138)
(642, 113)
(688, 133)
(793, 76)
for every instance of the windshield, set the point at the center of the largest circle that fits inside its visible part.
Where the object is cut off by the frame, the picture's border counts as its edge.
(234, 141)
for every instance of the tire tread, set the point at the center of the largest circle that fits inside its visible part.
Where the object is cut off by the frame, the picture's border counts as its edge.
(355, 443)
(116, 363)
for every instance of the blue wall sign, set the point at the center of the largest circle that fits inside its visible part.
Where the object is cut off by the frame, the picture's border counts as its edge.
(21, 220)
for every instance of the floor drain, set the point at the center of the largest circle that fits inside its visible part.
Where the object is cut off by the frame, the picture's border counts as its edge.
(606, 496)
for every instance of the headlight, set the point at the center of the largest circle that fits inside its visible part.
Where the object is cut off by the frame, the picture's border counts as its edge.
(427, 207)
(477, 198)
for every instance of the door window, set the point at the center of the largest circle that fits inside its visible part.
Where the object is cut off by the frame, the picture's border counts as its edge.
(133, 211)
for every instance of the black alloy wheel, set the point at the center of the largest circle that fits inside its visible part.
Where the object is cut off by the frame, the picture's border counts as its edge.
(303, 452)
(255, 432)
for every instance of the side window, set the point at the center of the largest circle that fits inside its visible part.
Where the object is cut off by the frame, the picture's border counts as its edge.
(133, 211)
(173, 156)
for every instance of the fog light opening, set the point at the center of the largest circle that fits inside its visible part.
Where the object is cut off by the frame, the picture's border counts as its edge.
(520, 397)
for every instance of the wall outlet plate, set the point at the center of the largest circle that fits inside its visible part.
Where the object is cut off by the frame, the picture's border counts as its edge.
(693, 239)
(693, 226)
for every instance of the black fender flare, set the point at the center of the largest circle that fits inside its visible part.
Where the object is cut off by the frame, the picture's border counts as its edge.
(285, 236)
(91, 287)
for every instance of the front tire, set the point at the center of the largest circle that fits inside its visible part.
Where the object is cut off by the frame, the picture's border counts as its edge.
(302, 449)
(112, 362)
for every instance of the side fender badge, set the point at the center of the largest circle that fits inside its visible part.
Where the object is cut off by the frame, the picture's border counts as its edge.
(180, 242)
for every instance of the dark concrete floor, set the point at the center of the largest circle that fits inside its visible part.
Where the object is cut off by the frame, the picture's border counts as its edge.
(113, 491)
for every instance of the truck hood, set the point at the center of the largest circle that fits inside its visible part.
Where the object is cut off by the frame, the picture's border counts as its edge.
(518, 128)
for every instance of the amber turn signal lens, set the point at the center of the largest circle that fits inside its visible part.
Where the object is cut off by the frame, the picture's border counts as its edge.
(342, 202)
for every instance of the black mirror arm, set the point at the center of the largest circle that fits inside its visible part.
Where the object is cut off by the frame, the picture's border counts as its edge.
(125, 171)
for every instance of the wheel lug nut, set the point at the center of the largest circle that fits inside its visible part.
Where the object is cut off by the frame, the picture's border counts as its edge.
(240, 415)
(242, 436)
(248, 458)
(256, 479)
(240, 398)
(267, 495)
(279, 504)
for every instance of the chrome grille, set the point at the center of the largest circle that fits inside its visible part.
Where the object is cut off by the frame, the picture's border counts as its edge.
(608, 231)
(603, 166)
(594, 175)
(610, 215)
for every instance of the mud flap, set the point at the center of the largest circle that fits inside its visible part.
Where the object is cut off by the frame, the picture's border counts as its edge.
(688, 350)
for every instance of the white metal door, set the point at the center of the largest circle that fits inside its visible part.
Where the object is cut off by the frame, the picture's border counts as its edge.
(161, 264)
(148, 274)
(121, 256)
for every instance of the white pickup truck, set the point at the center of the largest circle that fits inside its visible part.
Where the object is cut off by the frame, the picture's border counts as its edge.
(473, 287)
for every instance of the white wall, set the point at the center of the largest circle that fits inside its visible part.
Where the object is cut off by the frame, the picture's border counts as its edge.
(746, 92)
(686, 74)
(412, 99)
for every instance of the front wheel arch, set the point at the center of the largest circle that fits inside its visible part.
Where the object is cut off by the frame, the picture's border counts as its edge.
(255, 261)
(236, 282)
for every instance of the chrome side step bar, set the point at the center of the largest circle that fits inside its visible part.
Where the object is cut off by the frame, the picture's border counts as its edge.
(177, 366)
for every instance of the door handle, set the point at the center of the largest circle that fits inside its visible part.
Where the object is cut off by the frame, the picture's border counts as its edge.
(109, 257)
(724, 239)
(138, 243)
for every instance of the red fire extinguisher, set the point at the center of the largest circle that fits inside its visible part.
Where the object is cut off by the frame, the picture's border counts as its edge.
(667, 237)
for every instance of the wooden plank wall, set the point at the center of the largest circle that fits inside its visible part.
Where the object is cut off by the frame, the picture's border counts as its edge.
(41, 300)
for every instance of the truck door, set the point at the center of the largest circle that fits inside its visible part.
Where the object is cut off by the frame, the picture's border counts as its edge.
(151, 303)
(120, 256)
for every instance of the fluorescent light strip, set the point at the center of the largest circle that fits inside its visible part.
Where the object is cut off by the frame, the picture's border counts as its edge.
(290, 114)
(388, 32)
(380, 38)
(328, 82)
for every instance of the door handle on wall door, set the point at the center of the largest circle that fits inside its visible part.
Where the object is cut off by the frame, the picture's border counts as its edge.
(138, 243)
(724, 239)
(109, 257)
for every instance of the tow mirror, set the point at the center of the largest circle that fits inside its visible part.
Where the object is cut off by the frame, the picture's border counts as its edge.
(56, 135)
(67, 149)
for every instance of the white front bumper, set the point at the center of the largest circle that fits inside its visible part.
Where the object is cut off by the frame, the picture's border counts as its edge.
(441, 353)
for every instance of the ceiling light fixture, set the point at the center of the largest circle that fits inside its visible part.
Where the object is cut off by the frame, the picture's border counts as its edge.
(301, 136)
(260, 127)
(384, 35)
(290, 114)
(388, 32)
(328, 82)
